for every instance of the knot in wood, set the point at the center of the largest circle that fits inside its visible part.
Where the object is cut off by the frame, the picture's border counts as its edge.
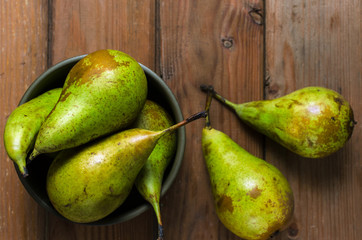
(293, 231)
(256, 15)
(227, 42)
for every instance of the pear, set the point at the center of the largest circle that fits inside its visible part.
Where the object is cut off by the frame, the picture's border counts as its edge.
(87, 183)
(23, 125)
(103, 93)
(149, 181)
(312, 122)
(252, 198)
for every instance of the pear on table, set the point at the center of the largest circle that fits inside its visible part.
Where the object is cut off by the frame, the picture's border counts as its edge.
(103, 93)
(252, 198)
(312, 122)
(149, 181)
(89, 182)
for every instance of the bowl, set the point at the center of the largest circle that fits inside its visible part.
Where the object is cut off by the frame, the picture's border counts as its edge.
(134, 205)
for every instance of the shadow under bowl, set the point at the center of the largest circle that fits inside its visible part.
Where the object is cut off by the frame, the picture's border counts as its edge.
(35, 183)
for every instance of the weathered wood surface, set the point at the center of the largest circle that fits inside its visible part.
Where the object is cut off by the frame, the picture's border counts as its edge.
(247, 49)
(23, 56)
(319, 43)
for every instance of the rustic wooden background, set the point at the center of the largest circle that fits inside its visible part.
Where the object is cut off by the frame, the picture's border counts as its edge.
(248, 49)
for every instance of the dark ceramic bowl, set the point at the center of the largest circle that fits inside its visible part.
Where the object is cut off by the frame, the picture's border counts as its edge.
(134, 205)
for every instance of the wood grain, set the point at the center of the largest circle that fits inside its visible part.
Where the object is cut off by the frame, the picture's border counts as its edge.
(208, 42)
(23, 56)
(318, 43)
(80, 27)
(247, 49)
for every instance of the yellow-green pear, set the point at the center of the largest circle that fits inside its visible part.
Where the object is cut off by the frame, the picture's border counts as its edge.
(87, 183)
(103, 93)
(149, 181)
(312, 122)
(23, 126)
(252, 198)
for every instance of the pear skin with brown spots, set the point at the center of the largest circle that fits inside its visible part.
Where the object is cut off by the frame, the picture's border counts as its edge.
(103, 93)
(312, 122)
(87, 183)
(252, 198)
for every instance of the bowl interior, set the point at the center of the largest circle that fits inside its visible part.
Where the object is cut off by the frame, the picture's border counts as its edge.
(134, 205)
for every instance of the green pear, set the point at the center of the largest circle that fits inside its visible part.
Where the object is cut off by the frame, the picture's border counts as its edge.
(312, 122)
(252, 198)
(89, 182)
(103, 93)
(23, 125)
(149, 180)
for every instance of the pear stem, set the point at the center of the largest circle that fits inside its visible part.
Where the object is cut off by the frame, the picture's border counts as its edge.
(210, 90)
(194, 117)
(25, 172)
(223, 100)
(156, 206)
(160, 232)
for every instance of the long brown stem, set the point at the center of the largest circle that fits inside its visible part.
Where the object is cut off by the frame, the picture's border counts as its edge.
(210, 90)
(160, 232)
(194, 117)
(220, 98)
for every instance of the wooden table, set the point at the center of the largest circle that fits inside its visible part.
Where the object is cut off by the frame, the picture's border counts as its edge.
(249, 50)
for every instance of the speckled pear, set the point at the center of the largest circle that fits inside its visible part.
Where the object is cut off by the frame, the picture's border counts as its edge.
(252, 198)
(312, 122)
(87, 183)
(103, 93)
(23, 126)
(149, 181)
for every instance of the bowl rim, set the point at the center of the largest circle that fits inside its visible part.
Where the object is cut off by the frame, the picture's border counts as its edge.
(177, 161)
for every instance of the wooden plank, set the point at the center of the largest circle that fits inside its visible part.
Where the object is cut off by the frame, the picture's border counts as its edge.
(218, 43)
(308, 42)
(312, 42)
(80, 27)
(23, 56)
